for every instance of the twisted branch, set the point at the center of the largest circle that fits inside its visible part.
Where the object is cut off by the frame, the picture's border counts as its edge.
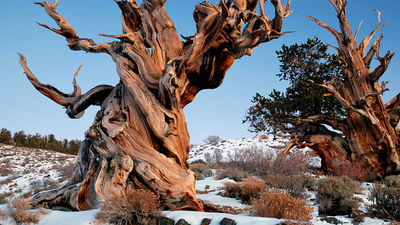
(66, 30)
(75, 103)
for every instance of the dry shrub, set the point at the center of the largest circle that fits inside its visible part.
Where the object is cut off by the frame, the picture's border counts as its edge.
(285, 172)
(66, 170)
(232, 190)
(43, 185)
(354, 170)
(292, 222)
(288, 173)
(386, 198)
(251, 188)
(18, 209)
(233, 173)
(295, 163)
(392, 181)
(6, 181)
(336, 196)
(131, 207)
(281, 205)
(201, 170)
(252, 159)
(26, 161)
(5, 171)
(4, 197)
(3, 214)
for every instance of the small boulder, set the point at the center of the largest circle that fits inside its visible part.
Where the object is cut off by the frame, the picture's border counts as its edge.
(182, 222)
(205, 221)
(227, 221)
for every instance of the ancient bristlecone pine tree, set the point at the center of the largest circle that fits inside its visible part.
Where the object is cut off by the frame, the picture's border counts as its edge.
(367, 135)
(139, 138)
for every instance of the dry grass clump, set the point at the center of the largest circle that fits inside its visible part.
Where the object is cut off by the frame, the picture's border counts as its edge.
(18, 209)
(281, 205)
(336, 196)
(250, 188)
(132, 207)
(232, 190)
(232, 173)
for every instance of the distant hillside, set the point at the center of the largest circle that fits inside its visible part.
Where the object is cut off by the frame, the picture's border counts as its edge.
(268, 144)
(25, 171)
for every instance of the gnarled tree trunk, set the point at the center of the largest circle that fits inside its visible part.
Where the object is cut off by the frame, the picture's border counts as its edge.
(369, 136)
(139, 138)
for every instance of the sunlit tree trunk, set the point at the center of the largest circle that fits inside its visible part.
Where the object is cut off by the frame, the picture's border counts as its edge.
(139, 137)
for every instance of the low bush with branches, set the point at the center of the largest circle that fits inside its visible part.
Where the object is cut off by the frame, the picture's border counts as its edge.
(250, 188)
(252, 159)
(281, 205)
(386, 198)
(3, 214)
(132, 207)
(202, 170)
(288, 172)
(232, 190)
(18, 208)
(231, 173)
(336, 196)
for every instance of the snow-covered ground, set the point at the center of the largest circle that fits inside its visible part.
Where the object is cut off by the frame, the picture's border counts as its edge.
(33, 166)
(23, 169)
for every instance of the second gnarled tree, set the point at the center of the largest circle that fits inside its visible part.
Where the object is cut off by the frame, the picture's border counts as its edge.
(364, 130)
(139, 138)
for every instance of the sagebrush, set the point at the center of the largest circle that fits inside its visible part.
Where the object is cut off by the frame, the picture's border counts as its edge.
(231, 173)
(131, 207)
(281, 205)
(18, 209)
(386, 198)
(336, 196)
(250, 188)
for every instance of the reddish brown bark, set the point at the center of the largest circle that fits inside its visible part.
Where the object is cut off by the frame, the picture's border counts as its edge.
(368, 134)
(139, 137)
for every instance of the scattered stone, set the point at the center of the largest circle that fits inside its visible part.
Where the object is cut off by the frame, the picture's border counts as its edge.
(205, 221)
(331, 220)
(182, 222)
(162, 221)
(227, 221)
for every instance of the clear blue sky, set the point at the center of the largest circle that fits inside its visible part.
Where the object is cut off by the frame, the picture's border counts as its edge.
(218, 112)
